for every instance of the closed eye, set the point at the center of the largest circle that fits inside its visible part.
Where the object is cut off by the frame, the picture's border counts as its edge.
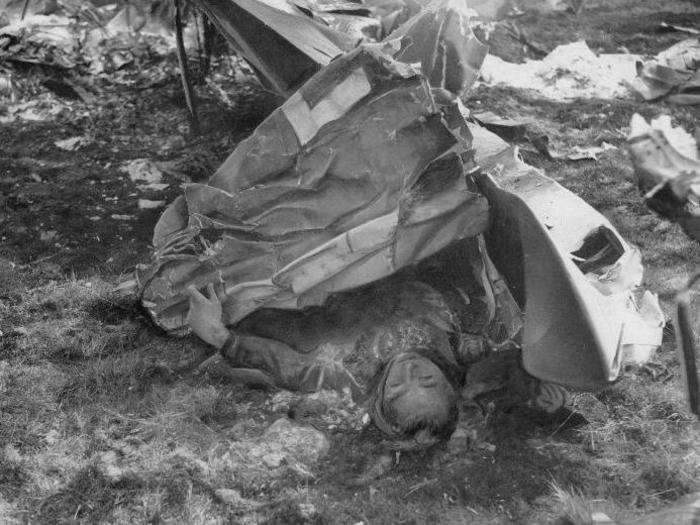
(394, 392)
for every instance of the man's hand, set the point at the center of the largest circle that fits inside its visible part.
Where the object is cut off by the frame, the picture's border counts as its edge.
(204, 316)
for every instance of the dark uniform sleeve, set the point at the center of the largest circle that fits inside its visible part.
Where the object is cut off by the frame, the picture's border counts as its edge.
(291, 369)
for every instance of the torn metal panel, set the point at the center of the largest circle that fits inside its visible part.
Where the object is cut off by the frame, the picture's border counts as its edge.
(440, 39)
(350, 18)
(283, 44)
(667, 168)
(673, 72)
(354, 177)
(286, 46)
(666, 27)
(579, 327)
(393, 13)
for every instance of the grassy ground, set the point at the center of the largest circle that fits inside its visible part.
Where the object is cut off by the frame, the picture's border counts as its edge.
(103, 419)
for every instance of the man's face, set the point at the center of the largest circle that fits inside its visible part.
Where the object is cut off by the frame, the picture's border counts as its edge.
(416, 391)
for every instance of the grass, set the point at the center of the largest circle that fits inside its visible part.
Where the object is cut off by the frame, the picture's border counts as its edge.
(103, 419)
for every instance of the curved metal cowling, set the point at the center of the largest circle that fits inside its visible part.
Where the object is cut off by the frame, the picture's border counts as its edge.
(569, 268)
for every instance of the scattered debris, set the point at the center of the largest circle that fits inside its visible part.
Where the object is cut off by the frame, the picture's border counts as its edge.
(284, 447)
(350, 18)
(438, 39)
(573, 71)
(283, 44)
(508, 129)
(570, 71)
(48, 236)
(673, 72)
(305, 444)
(555, 269)
(41, 108)
(666, 27)
(582, 153)
(667, 167)
(71, 144)
(145, 172)
(146, 204)
(519, 132)
(685, 55)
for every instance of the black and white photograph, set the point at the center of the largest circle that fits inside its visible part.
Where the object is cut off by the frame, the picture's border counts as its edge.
(350, 262)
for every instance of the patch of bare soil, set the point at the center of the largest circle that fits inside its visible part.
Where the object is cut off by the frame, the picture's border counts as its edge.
(79, 210)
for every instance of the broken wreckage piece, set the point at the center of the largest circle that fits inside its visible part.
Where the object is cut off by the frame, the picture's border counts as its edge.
(570, 270)
(363, 172)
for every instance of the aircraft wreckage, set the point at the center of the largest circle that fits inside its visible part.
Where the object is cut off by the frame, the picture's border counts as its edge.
(373, 166)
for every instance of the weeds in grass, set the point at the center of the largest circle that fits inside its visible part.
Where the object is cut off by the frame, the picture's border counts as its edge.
(573, 508)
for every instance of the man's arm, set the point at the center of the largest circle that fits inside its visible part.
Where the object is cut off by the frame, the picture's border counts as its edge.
(289, 368)
(275, 358)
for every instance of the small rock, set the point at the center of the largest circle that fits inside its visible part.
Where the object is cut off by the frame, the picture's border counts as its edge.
(146, 204)
(107, 465)
(304, 443)
(46, 236)
(71, 144)
(273, 459)
(459, 441)
(229, 496)
(146, 172)
(12, 454)
(20, 331)
(488, 447)
(307, 511)
(171, 143)
(117, 217)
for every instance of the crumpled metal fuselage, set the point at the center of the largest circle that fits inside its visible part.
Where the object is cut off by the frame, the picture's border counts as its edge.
(371, 166)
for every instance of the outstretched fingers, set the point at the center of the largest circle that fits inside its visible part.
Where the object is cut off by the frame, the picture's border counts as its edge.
(194, 294)
(213, 293)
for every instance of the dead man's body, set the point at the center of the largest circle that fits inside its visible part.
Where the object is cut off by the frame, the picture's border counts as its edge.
(403, 345)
